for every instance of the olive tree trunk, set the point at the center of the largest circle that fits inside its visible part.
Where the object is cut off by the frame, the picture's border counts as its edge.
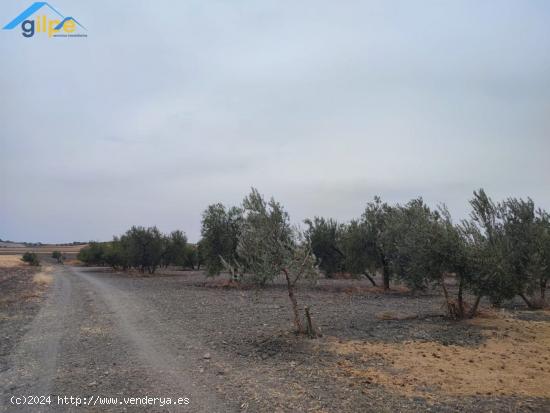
(386, 274)
(294, 303)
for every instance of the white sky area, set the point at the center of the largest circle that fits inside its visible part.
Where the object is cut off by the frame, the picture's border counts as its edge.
(168, 107)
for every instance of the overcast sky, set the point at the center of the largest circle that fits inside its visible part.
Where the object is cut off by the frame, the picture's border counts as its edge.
(167, 107)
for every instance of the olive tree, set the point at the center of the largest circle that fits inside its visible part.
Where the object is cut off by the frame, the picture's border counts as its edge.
(380, 231)
(92, 254)
(268, 246)
(220, 227)
(355, 247)
(175, 249)
(541, 269)
(489, 239)
(418, 241)
(430, 247)
(526, 236)
(324, 236)
(191, 257)
(58, 256)
(31, 258)
(116, 253)
(145, 247)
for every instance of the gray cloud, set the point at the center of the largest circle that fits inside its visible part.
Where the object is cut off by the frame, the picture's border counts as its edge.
(167, 107)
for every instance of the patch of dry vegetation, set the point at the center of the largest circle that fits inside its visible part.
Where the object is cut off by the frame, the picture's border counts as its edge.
(44, 277)
(21, 282)
(44, 249)
(9, 261)
(514, 360)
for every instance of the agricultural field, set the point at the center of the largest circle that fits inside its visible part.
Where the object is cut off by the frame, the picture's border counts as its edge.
(231, 348)
(43, 251)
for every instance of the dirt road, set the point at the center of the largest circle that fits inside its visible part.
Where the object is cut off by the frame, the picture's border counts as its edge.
(95, 338)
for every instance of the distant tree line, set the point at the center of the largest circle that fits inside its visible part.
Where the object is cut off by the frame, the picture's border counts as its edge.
(143, 249)
(501, 251)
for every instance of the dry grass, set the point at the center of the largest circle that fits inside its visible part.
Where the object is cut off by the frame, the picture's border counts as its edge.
(44, 249)
(44, 277)
(29, 296)
(513, 361)
(10, 261)
(4, 317)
